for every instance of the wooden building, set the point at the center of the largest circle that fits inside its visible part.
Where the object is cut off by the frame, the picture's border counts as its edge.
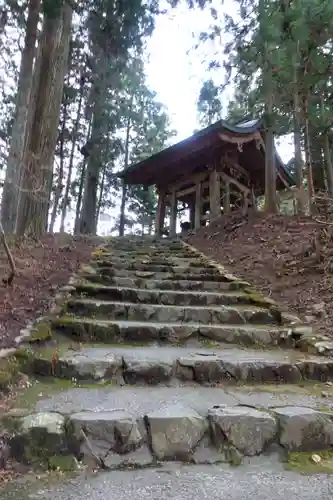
(217, 169)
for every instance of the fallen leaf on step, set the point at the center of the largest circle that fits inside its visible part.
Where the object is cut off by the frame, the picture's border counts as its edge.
(316, 458)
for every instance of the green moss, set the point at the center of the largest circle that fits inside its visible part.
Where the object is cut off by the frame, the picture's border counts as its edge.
(65, 463)
(259, 299)
(9, 372)
(209, 343)
(41, 332)
(42, 388)
(303, 462)
(306, 388)
(233, 456)
(325, 409)
(101, 251)
(12, 423)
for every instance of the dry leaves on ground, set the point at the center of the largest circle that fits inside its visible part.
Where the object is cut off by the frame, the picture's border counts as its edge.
(287, 258)
(42, 267)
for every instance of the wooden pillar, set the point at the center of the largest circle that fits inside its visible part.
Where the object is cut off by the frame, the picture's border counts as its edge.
(173, 214)
(226, 200)
(245, 208)
(198, 207)
(215, 194)
(192, 213)
(160, 213)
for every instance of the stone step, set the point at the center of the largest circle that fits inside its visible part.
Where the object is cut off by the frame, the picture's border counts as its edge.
(184, 253)
(161, 284)
(167, 365)
(140, 426)
(165, 297)
(192, 261)
(143, 247)
(193, 274)
(156, 268)
(130, 311)
(146, 271)
(113, 332)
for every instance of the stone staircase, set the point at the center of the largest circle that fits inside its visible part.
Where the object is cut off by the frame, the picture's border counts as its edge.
(173, 358)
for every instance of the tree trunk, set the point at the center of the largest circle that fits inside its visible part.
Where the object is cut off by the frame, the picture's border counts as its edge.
(317, 158)
(36, 181)
(71, 159)
(270, 167)
(308, 155)
(79, 198)
(124, 187)
(59, 186)
(100, 198)
(267, 83)
(11, 186)
(89, 202)
(328, 163)
(297, 142)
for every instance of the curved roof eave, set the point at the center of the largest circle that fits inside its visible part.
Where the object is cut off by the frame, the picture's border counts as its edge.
(241, 128)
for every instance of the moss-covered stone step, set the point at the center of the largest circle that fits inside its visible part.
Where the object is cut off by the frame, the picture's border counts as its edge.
(184, 253)
(167, 297)
(151, 365)
(134, 427)
(90, 276)
(159, 272)
(171, 314)
(152, 267)
(105, 273)
(169, 260)
(90, 330)
(158, 247)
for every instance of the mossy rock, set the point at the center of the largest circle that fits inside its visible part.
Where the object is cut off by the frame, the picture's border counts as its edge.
(86, 331)
(40, 332)
(45, 441)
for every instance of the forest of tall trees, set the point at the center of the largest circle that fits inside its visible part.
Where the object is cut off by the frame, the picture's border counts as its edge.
(278, 56)
(76, 110)
(76, 106)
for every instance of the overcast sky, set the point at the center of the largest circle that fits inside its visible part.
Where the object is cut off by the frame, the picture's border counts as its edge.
(177, 74)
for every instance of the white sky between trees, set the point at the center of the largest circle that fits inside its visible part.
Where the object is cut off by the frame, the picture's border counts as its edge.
(177, 75)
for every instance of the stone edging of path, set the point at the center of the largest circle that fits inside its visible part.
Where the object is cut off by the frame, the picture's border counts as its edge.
(34, 332)
(114, 439)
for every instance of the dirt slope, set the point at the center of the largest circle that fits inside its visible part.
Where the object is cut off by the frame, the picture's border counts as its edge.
(287, 258)
(41, 268)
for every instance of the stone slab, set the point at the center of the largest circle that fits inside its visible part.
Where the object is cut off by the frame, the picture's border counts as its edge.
(139, 401)
(161, 284)
(237, 314)
(155, 365)
(165, 267)
(175, 431)
(106, 273)
(178, 425)
(163, 297)
(305, 429)
(250, 430)
(115, 331)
